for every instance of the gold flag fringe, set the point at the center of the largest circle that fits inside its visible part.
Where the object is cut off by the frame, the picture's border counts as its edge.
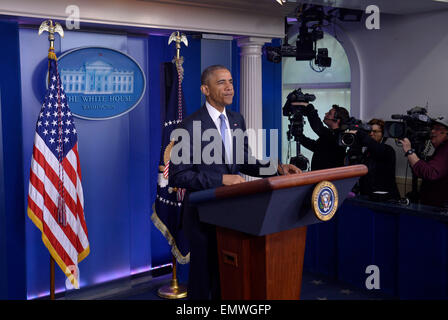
(166, 233)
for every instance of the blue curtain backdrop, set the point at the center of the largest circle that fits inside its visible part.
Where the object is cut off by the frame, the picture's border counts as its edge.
(272, 98)
(12, 209)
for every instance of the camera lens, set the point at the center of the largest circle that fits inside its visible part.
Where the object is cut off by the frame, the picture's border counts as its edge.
(347, 139)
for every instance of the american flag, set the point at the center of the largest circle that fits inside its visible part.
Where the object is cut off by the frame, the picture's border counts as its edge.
(55, 197)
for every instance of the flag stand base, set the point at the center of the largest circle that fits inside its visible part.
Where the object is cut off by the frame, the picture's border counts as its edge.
(173, 290)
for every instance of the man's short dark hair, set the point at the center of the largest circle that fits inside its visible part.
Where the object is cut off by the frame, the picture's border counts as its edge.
(209, 70)
(341, 113)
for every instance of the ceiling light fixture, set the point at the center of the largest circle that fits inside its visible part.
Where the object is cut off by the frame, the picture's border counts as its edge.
(281, 1)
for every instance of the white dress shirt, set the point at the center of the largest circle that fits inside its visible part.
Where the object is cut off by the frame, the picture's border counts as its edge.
(214, 114)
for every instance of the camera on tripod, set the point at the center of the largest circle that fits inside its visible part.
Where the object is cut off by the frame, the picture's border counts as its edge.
(415, 125)
(295, 112)
(297, 95)
(348, 139)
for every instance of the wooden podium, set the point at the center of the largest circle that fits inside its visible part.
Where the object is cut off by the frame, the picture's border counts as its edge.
(261, 229)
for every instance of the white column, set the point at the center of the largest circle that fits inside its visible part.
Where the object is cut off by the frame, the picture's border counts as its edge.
(251, 86)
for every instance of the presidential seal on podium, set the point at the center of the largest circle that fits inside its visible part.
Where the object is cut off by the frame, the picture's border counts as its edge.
(324, 200)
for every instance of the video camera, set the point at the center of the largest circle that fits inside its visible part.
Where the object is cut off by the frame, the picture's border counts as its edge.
(295, 127)
(309, 22)
(295, 112)
(347, 139)
(296, 96)
(415, 125)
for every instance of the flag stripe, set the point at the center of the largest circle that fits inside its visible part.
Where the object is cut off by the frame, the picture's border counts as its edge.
(49, 202)
(78, 171)
(83, 229)
(37, 212)
(49, 175)
(56, 232)
(66, 252)
(48, 157)
(78, 168)
(70, 171)
(38, 174)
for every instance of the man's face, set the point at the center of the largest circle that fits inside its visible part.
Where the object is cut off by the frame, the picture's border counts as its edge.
(439, 134)
(219, 89)
(376, 133)
(329, 119)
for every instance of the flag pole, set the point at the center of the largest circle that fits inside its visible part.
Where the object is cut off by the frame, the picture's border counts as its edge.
(174, 290)
(51, 278)
(51, 28)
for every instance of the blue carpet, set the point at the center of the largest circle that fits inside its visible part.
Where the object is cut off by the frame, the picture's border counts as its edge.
(318, 287)
(314, 287)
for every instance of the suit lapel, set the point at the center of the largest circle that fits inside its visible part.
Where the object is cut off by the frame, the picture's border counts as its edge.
(206, 120)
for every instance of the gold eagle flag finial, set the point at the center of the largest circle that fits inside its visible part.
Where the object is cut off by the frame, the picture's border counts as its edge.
(178, 38)
(51, 28)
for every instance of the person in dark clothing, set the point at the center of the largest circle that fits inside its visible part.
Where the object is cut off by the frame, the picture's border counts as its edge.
(327, 153)
(380, 159)
(434, 171)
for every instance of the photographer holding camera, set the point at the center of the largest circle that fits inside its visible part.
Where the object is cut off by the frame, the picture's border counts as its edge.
(379, 158)
(434, 171)
(327, 153)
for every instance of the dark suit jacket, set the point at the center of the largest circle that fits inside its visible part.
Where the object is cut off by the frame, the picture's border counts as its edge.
(194, 177)
(204, 276)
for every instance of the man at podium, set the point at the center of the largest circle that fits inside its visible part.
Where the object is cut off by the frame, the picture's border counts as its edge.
(194, 175)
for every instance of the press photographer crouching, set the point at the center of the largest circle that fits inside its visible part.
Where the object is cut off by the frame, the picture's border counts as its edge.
(327, 153)
(369, 148)
(433, 171)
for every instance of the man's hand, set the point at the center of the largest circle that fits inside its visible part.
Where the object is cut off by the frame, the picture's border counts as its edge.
(285, 169)
(229, 179)
(405, 144)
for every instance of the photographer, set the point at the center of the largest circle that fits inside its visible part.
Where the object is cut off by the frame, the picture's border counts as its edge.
(434, 171)
(379, 159)
(327, 153)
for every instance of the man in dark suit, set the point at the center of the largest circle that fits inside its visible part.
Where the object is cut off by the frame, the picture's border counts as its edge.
(194, 175)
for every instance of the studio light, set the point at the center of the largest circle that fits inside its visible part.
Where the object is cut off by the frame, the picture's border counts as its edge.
(310, 19)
